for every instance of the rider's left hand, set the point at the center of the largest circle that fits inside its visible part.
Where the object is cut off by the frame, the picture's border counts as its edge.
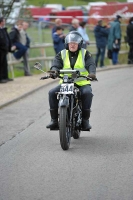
(92, 76)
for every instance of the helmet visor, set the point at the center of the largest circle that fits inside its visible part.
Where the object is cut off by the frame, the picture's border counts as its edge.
(72, 37)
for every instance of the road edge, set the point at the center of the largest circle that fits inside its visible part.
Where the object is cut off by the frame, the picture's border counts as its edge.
(40, 87)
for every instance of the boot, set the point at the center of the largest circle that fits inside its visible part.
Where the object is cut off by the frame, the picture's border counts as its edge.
(54, 119)
(85, 120)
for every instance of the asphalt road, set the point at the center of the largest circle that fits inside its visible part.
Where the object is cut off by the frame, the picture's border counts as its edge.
(98, 166)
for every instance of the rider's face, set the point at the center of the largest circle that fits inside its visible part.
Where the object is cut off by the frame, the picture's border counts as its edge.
(73, 46)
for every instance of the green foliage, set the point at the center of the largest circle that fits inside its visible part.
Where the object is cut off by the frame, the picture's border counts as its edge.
(64, 2)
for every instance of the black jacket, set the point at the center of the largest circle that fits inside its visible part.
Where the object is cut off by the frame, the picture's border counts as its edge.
(5, 42)
(89, 62)
(130, 34)
(14, 35)
(101, 35)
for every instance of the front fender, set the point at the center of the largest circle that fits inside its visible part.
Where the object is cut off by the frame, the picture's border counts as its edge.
(64, 102)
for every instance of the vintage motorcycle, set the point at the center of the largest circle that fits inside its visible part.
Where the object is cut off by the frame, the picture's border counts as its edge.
(69, 107)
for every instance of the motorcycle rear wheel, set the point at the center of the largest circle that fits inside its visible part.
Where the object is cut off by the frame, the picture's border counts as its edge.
(76, 130)
(64, 128)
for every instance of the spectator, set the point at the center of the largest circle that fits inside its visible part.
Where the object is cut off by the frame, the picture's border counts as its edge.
(130, 40)
(58, 22)
(114, 39)
(82, 30)
(74, 25)
(58, 39)
(5, 47)
(101, 36)
(15, 39)
(25, 40)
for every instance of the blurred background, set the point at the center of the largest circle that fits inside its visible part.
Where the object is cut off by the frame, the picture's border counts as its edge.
(41, 16)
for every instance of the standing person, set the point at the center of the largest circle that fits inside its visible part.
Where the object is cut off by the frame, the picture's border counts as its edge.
(101, 36)
(114, 39)
(74, 25)
(73, 57)
(15, 39)
(129, 32)
(58, 39)
(82, 30)
(25, 40)
(58, 22)
(5, 47)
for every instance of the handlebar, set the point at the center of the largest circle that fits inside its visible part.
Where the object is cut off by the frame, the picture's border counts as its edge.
(69, 72)
(89, 78)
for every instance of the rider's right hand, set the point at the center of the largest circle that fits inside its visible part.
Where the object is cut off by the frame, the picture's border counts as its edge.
(53, 75)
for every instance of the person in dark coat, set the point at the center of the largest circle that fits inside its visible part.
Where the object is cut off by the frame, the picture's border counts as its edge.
(101, 36)
(130, 40)
(5, 47)
(58, 39)
(15, 39)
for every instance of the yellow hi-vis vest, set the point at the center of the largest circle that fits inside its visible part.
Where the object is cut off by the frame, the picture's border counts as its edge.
(79, 65)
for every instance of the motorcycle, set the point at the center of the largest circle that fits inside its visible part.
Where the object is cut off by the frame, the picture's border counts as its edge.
(69, 106)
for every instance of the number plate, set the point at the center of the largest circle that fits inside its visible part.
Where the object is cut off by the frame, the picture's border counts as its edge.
(66, 88)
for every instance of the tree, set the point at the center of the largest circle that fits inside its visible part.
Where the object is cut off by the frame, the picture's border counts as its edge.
(6, 7)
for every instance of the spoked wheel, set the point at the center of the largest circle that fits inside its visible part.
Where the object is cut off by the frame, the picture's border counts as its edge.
(64, 128)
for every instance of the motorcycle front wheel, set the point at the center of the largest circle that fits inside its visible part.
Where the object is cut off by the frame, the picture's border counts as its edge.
(64, 128)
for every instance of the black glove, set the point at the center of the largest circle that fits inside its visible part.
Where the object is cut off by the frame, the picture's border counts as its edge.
(53, 74)
(92, 76)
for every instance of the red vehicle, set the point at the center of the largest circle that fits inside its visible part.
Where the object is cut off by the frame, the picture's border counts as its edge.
(109, 12)
(40, 13)
(67, 15)
(50, 14)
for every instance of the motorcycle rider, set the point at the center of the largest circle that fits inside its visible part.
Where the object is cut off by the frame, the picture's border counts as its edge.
(73, 57)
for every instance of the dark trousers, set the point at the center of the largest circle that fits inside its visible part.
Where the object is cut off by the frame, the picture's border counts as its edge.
(100, 53)
(86, 97)
(130, 54)
(3, 66)
(21, 49)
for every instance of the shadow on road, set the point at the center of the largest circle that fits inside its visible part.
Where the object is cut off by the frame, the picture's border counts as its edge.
(101, 145)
